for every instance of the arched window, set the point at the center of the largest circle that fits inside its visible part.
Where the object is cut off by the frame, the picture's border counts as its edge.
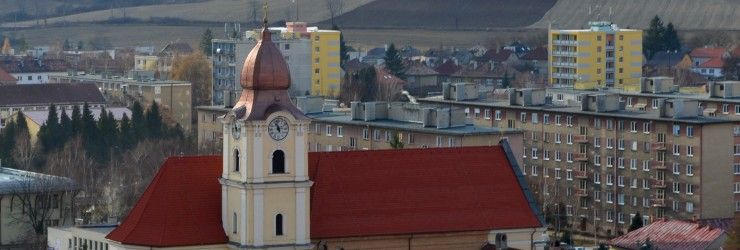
(278, 162)
(234, 224)
(236, 160)
(279, 224)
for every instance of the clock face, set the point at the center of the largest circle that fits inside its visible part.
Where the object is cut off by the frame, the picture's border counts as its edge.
(278, 128)
(236, 130)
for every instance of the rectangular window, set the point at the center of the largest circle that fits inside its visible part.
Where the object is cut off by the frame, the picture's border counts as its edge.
(498, 115)
(620, 162)
(676, 187)
(557, 120)
(676, 130)
(676, 168)
(646, 165)
(620, 144)
(609, 197)
(411, 140)
(689, 150)
(597, 123)
(365, 134)
(620, 199)
(340, 132)
(376, 134)
(534, 170)
(487, 114)
(597, 195)
(569, 120)
(609, 124)
(646, 127)
(689, 131)
(557, 138)
(328, 130)
(388, 136)
(645, 184)
(597, 178)
(610, 143)
(689, 170)
(725, 108)
(609, 215)
(569, 157)
(689, 188)
(523, 117)
(535, 118)
(676, 149)
(689, 207)
(597, 142)
(546, 118)
(736, 149)
(737, 187)
(620, 181)
(569, 139)
(609, 180)
(439, 141)
(569, 174)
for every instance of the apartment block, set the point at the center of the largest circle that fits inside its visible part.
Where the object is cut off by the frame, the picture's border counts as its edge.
(606, 163)
(603, 55)
(174, 97)
(312, 56)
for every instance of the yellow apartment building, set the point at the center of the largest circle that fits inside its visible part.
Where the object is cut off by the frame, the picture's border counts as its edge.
(602, 56)
(324, 57)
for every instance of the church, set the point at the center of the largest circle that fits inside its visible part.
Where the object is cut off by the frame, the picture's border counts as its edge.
(266, 191)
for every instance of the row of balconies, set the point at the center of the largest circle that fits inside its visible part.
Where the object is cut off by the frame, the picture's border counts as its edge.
(565, 53)
(565, 75)
(564, 64)
(565, 42)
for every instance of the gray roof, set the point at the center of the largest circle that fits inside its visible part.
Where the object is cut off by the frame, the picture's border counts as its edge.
(627, 114)
(121, 80)
(344, 118)
(693, 96)
(14, 180)
(45, 94)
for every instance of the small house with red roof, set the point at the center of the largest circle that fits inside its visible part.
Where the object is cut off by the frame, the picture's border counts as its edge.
(265, 191)
(708, 61)
(672, 234)
(6, 78)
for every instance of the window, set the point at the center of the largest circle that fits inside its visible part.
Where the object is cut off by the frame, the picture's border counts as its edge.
(569, 139)
(689, 188)
(645, 202)
(557, 172)
(328, 130)
(609, 124)
(236, 160)
(610, 161)
(725, 108)
(569, 120)
(287, 46)
(633, 164)
(689, 150)
(655, 103)
(676, 168)
(597, 142)
(569, 174)
(609, 197)
(546, 154)
(633, 126)
(620, 181)
(689, 131)
(676, 187)
(620, 199)
(676, 206)
(676, 149)
(569, 210)
(352, 142)
(340, 132)
(597, 195)
(497, 115)
(477, 113)
(557, 120)
(597, 160)
(620, 144)
(451, 142)
(376, 134)
(609, 143)
(316, 128)
(646, 165)
(646, 127)
(609, 180)
(737, 149)
(645, 184)
(365, 134)
(633, 183)
(523, 117)
(535, 118)
(234, 223)
(546, 118)
(278, 162)
(487, 114)
(620, 125)
(557, 155)
(534, 170)
(557, 138)
(534, 153)
(689, 207)
(736, 167)
(689, 170)
(676, 130)
(597, 178)
(411, 139)
(569, 157)
(279, 224)
(737, 187)
(597, 123)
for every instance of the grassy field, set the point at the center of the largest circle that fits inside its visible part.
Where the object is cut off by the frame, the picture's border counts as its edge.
(210, 11)
(685, 14)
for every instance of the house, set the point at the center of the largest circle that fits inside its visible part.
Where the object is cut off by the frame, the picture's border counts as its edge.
(29, 70)
(489, 74)
(668, 59)
(500, 57)
(17, 189)
(535, 60)
(708, 61)
(389, 86)
(167, 56)
(446, 69)
(31, 97)
(267, 191)
(375, 56)
(672, 234)
(422, 79)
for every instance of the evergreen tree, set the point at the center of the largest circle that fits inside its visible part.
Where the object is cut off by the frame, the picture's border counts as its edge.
(154, 121)
(125, 133)
(636, 222)
(7, 143)
(205, 42)
(343, 49)
(90, 133)
(138, 123)
(65, 126)
(670, 38)
(396, 142)
(76, 120)
(394, 62)
(653, 41)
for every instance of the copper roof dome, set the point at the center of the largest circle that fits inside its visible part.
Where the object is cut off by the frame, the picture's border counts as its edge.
(265, 68)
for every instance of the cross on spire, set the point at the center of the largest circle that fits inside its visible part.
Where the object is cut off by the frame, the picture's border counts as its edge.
(265, 8)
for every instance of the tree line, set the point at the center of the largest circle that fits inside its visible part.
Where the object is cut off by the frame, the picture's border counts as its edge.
(659, 37)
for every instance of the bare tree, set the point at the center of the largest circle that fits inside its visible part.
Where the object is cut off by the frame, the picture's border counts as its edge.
(24, 154)
(335, 8)
(40, 199)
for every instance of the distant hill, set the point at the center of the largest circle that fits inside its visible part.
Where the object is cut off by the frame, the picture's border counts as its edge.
(446, 14)
(685, 14)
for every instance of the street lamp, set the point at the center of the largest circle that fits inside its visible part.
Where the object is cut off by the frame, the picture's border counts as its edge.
(668, 52)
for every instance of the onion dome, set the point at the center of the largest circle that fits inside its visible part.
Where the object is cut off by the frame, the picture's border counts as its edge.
(265, 68)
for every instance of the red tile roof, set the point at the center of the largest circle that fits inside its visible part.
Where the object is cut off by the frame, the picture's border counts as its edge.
(497, 56)
(670, 234)
(355, 193)
(6, 78)
(387, 192)
(181, 206)
(708, 52)
(713, 63)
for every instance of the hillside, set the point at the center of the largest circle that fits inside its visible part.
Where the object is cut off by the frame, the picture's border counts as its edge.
(685, 14)
(208, 11)
(446, 14)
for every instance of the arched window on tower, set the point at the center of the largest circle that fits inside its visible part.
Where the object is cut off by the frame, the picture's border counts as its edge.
(236, 160)
(279, 224)
(278, 162)
(234, 223)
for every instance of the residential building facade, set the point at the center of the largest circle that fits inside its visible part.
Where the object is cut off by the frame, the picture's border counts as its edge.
(605, 163)
(603, 55)
(37, 97)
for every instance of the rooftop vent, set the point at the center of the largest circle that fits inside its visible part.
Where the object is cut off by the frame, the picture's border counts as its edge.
(724, 89)
(527, 97)
(600, 102)
(657, 85)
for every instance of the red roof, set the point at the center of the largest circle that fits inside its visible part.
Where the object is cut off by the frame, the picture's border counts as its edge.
(181, 206)
(539, 54)
(713, 63)
(6, 78)
(497, 56)
(355, 193)
(708, 52)
(670, 234)
(388, 192)
(447, 68)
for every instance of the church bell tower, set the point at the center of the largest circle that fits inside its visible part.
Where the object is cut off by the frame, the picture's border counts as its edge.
(265, 185)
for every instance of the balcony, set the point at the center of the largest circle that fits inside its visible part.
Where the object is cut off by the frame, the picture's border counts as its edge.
(564, 64)
(581, 192)
(580, 157)
(658, 183)
(658, 146)
(565, 42)
(581, 174)
(580, 138)
(658, 203)
(658, 165)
